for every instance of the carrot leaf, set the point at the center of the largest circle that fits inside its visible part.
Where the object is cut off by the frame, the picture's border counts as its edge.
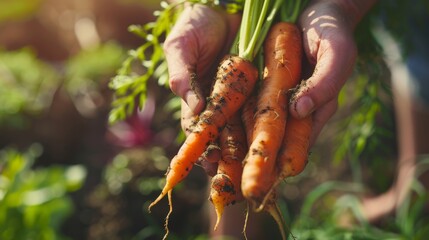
(143, 63)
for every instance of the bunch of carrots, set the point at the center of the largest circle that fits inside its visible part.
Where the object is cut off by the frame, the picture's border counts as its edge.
(247, 115)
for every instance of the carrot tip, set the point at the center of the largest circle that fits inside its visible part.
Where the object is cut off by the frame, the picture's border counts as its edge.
(219, 213)
(273, 209)
(157, 200)
(170, 203)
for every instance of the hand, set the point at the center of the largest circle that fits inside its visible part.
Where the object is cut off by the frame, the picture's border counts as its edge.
(331, 52)
(193, 49)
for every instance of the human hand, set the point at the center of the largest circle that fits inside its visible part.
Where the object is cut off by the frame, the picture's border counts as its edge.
(330, 51)
(200, 38)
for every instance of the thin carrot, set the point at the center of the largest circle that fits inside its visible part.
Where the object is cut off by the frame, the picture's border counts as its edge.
(248, 117)
(226, 184)
(273, 209)
(294, 154)
(282, 56)
(234, 82)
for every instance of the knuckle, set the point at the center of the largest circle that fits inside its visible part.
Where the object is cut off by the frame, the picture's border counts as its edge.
(175, 84)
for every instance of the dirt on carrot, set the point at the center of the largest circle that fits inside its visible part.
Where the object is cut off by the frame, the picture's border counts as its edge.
(294, 154)
(226, 184)
(234, 82)
(282, 56)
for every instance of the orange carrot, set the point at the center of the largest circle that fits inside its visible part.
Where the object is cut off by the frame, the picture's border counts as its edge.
(226, 184)
(273, 209)
(282, 54)
(248, 117)
(294, 153)
(234, 82)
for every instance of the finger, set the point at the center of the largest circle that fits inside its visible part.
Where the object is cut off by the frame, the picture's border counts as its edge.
(209, 159)
(212, 154)
(209, 167)
(191, 49)
(334, 65)
(181, 61)
(321, 117)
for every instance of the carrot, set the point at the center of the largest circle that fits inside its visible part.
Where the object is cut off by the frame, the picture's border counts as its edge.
(273, 209)
(248, 117)
(293, 156)
(235, 79)
(234, 82)
(282, 56)
(226, 184)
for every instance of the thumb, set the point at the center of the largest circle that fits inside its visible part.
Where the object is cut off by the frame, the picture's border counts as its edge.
(332, 69)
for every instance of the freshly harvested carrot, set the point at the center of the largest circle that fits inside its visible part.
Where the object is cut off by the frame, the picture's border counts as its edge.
(282, 56)
(248, 117)
(294, 153)
(226, 184)
(234, 82)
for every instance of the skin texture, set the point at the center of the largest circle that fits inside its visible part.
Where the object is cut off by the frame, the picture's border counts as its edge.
(330, 52)
(226, 184)
(198, 41)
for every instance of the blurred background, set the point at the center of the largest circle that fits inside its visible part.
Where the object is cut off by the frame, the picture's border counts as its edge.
(66, 173)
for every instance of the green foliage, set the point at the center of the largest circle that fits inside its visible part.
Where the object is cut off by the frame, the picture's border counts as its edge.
(366, 119)
(402, 19)
(331, 202)
(86, 69)
(27, 86)
(17, 9)
(143, 64)
(28, 83)
(367, 102)
(34, 202)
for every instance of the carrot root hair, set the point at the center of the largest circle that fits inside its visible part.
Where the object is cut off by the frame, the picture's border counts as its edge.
(170, 204)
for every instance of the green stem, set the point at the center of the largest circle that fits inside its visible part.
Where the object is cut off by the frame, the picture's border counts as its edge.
(249, 52)
(245, 26)
(255, 23)
(267, 24)
(291, 10)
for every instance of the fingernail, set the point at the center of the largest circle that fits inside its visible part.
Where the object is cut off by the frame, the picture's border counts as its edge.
(192, 100)
(304, 106)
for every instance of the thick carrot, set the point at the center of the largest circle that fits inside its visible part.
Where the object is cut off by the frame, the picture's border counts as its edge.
(234, 82)
(282, 56)
(226, 184)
